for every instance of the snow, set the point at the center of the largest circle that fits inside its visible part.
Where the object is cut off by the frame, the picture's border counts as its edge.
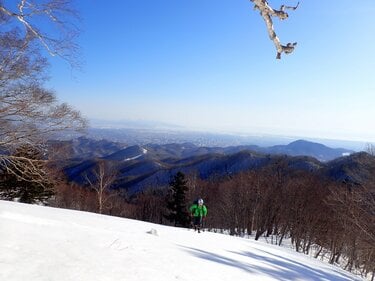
(133, 158)
(43, 243)
(144, 151)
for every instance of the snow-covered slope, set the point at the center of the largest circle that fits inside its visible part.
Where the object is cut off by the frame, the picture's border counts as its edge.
(41, 243)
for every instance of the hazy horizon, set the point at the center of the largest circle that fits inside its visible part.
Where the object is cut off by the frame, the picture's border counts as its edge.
(268, 138)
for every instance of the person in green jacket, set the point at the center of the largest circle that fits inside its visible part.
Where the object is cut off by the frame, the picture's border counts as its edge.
(198, 212)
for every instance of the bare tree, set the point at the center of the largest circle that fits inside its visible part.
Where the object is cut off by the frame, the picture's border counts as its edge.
(72, 196)
(370, 149)
(101, 180)
(358, 206)
(57, 37)
(267, 13)
(150, 205)
(354, 206)
(29, 113)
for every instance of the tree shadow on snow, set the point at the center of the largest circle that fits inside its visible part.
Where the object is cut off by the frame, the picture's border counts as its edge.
(275, 266)
(219, 259)
(288, 269)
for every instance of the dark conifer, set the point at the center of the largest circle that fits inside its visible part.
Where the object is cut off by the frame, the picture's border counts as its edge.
(176, 203)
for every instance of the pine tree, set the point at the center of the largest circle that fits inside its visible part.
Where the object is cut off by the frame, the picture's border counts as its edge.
(176, 203)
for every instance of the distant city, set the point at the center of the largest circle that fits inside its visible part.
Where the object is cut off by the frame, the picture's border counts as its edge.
(144, 132)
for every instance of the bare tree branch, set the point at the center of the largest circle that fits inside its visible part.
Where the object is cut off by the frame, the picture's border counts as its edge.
(267, 12)
(24, 168)
(59, 37)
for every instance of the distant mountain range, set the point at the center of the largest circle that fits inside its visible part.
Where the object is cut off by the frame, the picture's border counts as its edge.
(141, 135)
(139, 167)
(89, 148)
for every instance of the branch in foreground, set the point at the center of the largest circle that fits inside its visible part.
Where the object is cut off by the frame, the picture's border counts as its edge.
(58, 33)
(24, 168)
(267, 12)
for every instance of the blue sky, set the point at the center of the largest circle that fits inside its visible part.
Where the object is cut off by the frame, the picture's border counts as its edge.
(210, 65)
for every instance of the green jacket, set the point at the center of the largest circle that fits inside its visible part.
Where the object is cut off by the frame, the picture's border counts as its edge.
(198, 211)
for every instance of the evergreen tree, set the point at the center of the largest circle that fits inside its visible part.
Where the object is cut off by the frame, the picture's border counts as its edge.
(176, 203)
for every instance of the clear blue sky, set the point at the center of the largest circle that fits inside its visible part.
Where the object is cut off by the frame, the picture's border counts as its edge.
(209, 64)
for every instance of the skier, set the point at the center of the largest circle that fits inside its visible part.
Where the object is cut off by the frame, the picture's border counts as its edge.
(198, 212)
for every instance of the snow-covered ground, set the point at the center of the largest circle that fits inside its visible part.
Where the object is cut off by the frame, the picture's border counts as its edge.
(41, 243)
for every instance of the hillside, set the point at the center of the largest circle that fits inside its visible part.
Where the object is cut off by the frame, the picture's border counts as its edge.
(139, 166)
(307, 148)
(41, 243)
(357, 168)
(88, 148)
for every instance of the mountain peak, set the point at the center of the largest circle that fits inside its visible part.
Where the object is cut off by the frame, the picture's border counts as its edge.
(304, 143)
